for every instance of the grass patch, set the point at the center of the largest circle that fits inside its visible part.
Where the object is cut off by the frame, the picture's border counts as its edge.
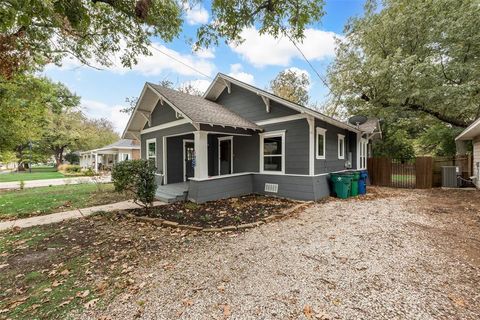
(44, 200)
(38, 173)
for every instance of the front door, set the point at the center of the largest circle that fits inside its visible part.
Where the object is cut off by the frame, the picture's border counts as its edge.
(188, 159)
(225, 155)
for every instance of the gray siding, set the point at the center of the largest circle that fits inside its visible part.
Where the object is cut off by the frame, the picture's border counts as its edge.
(296, 145)
(159, 137)
(175, 158)
(331, 163)
(162, 114)
(202, 191)
(293, 187)
(250, 105)
(246, 154)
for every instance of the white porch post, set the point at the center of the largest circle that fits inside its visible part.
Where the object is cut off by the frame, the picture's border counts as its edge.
(96, 162)
(311, 145)
(201, 154)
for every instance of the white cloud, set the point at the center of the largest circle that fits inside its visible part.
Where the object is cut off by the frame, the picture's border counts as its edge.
(237, 73)
(200, 85)
(196, 14)
(205, 53)
(97, 110)
(265, 50)
(156, 63)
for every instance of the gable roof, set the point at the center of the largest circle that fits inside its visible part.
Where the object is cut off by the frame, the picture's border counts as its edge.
(120, 144)
(200, 110)
(470, 132)
(223, 81)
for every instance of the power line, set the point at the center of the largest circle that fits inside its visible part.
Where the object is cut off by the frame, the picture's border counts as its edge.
(180, 61)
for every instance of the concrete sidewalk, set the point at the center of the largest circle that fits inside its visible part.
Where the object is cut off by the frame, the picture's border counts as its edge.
(54, 182)
(72, 214)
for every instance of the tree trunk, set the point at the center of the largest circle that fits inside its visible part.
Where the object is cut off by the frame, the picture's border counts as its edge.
(59, 156)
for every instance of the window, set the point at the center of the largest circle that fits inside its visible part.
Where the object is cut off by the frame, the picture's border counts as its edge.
(321, 134)
(124, 156)
(363, 153)
(152, 150)
(272, 152)
(341, 146)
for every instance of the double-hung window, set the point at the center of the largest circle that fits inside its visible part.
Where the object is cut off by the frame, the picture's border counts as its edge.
(272, 152)
(341, 146)
(124, 156)
(321, 142)
(152, 150)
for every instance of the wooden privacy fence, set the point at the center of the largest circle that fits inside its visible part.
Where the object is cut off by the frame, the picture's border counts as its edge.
(399, 173)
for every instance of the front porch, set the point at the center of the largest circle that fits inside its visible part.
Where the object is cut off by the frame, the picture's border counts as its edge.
(172, 192)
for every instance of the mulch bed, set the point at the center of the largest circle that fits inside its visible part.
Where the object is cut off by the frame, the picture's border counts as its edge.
(220, 213)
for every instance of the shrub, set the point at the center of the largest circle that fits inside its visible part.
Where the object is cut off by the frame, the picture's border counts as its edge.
(88, 172)
(137, 179)
(70, 168)
(73, 158)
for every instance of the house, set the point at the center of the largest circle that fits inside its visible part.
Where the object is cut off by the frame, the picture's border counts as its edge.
(472, 133)
(238, 139)
(105, 157)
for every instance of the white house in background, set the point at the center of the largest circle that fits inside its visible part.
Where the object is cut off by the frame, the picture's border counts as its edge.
(473, 133)
(105, 157)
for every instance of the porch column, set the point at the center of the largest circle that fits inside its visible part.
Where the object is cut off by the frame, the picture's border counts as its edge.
(201, 154)
(96, 162)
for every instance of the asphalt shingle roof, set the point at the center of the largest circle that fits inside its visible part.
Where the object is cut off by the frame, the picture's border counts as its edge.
(204, 111)
(122, 143)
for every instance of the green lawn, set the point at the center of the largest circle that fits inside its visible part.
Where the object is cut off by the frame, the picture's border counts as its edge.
(38, 173)
(44, 200)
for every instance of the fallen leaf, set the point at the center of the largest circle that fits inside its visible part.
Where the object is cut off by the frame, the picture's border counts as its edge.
(90, 303)
(83, 294)
(187, 302)
(308, 311)
(65, 272)
(47, 290)
(4, 265)
(226, 311)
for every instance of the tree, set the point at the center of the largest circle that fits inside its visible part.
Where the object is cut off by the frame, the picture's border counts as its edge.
(190, 89)
(412, 57)
(38, 32)
(292, 85)
(97, 133)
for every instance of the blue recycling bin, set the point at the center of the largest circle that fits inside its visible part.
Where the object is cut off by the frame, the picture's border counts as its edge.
(362, 182)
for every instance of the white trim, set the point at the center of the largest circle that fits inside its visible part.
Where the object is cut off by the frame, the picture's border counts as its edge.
(281, 119)
(134, 110)
(201, 154)
(323, 133)
(311, 145)
(184, 160)
(341, 137)
(270, 134)
(282, 101)
(220, 139)
(164, 159)
(267, 174)
(470, 127)
(228, 133)
(147, 142)
(165, 126)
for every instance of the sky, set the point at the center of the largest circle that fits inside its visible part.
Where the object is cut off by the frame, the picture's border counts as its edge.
(256, 61)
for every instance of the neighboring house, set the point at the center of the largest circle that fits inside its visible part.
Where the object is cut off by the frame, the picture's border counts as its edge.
(106, 157)
(239, 139)
(472, 133)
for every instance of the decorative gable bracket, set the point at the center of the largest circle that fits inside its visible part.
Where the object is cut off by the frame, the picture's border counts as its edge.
(266, 101)
(227, 85)
(147, 115)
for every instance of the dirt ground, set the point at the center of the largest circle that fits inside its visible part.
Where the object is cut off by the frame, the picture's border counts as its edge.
(394, 254)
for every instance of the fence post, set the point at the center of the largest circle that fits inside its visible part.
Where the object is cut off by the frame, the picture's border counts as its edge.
(423, 172)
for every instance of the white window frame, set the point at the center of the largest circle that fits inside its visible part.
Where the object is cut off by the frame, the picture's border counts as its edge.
(147, 142)
(341, 151)
(363, 145)
(321, 132)
(231, 152)
(122, 154)
(272, 134)
(184, 160)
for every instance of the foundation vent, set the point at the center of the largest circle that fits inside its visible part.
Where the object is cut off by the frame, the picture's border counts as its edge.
(271, 187)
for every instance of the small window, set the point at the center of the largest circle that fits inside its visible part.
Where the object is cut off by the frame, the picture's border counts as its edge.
(341, 146)
(124, 156)
(272, 149)
(321, 134)
(152, 150)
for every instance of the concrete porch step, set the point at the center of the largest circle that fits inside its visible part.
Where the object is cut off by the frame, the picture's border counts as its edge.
(170, 193)
(170, 198)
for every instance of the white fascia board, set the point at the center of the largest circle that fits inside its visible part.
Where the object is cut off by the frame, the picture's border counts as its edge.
(281, 119)
(134, 111)
(464, 135)
(165, 125)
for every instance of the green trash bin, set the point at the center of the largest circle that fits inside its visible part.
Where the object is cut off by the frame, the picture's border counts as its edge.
(354, 188)
(342, 185)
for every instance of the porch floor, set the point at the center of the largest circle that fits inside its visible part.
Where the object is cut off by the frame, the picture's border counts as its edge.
(172, 192)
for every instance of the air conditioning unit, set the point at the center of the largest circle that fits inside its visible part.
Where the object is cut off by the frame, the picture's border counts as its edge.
(449, 176)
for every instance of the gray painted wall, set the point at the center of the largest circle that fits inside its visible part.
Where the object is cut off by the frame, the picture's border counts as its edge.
(159, 135)
(245, 154)
(296, 145)
(202, 191)
(162, 114)
(175, 158)
(293, 187)
(250, 105)
(331, 162)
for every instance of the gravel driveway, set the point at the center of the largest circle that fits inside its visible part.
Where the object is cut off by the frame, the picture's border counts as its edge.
(397, 254)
